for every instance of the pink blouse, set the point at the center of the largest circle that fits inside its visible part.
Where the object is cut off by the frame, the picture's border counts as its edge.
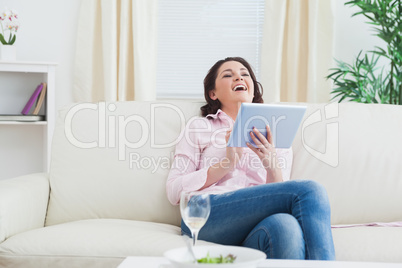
(202, 145)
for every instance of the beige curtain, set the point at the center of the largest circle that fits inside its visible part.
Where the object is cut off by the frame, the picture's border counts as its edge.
(116, 51)
(297, 50)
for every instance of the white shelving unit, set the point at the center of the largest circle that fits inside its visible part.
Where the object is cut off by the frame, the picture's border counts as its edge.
(18, 80)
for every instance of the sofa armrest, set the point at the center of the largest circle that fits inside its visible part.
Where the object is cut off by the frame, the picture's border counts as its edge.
(23, 203)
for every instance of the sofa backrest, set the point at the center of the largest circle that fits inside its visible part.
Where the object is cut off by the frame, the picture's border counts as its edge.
(355, 151)
(111, 160)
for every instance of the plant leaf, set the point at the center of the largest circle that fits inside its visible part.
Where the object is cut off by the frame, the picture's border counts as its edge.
(13, 40)
(2, 40)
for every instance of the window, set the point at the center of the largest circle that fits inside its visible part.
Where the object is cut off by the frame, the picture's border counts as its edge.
(194, 34)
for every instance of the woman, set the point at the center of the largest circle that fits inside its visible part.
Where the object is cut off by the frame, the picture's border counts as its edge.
(251, 206)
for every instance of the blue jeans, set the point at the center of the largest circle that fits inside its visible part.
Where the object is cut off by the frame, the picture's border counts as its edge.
(288, 220)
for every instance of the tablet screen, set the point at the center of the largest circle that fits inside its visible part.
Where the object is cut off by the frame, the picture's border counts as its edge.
(283, 120)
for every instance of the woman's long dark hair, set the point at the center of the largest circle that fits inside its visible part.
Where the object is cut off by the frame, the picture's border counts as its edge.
(213, 106)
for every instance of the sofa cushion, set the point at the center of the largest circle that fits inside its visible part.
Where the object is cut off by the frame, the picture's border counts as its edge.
(371, 244)
(355, 151)
(112, 160)
(105, 238)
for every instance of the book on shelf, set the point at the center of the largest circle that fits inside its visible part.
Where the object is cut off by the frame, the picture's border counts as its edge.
(40, 100)
(32, 99)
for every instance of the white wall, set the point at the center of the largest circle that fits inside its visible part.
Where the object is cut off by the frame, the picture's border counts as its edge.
(352, 34)
(47, 33)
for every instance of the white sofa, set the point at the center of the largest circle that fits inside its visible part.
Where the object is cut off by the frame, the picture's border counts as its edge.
(104, 197)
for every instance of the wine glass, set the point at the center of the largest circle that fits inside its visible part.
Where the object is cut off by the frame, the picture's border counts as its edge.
(195, 208)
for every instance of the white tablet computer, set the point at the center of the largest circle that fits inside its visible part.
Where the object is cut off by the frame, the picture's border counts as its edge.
(283, 120)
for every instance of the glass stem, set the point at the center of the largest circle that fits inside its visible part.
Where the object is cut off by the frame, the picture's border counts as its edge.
(194, 235)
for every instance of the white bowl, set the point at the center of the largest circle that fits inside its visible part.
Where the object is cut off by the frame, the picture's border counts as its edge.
(245, 257)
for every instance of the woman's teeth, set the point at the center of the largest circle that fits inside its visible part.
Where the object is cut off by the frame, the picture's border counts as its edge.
(239, 87)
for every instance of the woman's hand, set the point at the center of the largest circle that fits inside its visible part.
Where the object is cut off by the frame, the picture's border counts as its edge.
(226, 165)
(233, 154)
(265, 150)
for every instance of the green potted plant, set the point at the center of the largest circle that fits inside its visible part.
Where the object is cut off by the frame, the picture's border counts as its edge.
(364, 81)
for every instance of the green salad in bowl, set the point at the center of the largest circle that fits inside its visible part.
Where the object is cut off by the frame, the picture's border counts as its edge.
(230, 258)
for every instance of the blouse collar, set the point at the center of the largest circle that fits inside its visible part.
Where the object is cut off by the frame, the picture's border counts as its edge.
(219, 115)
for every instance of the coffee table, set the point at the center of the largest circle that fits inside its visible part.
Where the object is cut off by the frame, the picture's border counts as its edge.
(161, 262)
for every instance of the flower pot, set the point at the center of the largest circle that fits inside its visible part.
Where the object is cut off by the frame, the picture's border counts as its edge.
(8, 52)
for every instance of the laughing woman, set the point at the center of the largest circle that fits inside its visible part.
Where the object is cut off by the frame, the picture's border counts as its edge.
(252, 202)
